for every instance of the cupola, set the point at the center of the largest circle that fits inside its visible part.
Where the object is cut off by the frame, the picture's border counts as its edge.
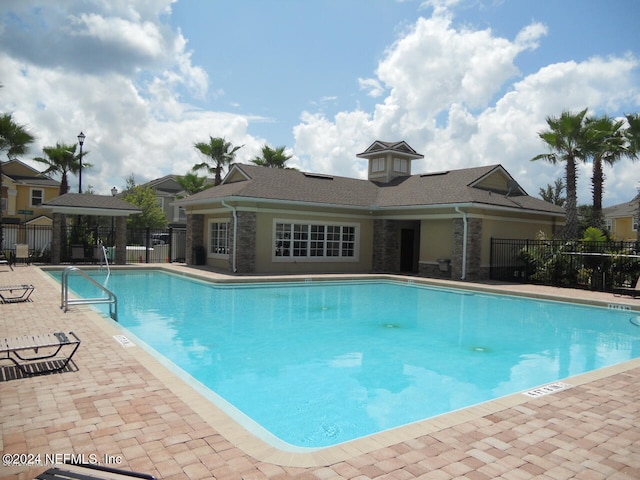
(388, 160)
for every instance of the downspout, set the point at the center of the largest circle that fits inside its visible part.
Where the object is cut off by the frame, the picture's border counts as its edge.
(235, 235)
(464, 243)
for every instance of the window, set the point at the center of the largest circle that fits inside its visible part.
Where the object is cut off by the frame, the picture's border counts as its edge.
(400, 165)
(377, 165)
(219, 238)
(314, 241)
(37, 197)
(635, 224)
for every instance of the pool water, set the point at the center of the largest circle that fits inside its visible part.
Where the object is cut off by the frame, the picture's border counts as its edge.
(320, 363)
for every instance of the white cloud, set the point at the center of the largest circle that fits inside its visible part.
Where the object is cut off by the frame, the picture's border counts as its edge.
(130, 108)
(449, 97)
(119, 72)
(373, 87)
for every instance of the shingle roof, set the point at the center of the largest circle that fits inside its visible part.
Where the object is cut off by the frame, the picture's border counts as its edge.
(625, 209)
(89, 201)
(40, 180)
(433, 189)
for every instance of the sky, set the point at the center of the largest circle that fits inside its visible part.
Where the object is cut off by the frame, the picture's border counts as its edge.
(464, 82)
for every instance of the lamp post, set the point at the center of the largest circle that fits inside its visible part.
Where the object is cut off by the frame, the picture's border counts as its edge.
(81, 138)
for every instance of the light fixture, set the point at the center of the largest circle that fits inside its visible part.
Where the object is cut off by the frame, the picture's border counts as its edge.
(81, 138)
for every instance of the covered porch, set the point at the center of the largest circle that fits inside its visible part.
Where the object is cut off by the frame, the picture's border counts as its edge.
(82, 204)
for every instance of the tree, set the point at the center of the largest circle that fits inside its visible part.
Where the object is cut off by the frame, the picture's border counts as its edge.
(220, 152)
(192, 183)
(566, 139)
(14, 141)
(142, 196)
(273, 158)
(553, 193)
(632, 134)
(62, 159)
(605, 143)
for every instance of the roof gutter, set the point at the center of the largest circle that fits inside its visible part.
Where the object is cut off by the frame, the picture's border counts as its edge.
(235, 234)
(368, 208)
(464, 242)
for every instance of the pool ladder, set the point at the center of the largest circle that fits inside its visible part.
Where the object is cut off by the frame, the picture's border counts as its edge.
(65, 301)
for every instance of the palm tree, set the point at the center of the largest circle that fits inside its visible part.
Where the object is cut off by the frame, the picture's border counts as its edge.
(605, 143)
(62, 159)
(566, 138)
(220, 152)
(632, 134)
(273, 158)
(14, 140)
(192, 183)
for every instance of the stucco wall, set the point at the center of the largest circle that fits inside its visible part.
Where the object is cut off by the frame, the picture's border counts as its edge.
(622, 229)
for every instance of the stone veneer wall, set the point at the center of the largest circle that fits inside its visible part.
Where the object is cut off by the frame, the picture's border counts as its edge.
(56, 235)
(474, 250)
(246, 244)
(121, 240)
(195, 235)
(386, 246)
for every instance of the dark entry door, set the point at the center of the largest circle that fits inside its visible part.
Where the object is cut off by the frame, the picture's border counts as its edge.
(407, 250)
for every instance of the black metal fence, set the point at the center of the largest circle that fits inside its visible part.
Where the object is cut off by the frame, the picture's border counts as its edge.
(80, 243)
(579, 264)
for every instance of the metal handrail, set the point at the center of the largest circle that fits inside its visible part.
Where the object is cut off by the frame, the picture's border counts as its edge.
(103, 249)
(65, 301)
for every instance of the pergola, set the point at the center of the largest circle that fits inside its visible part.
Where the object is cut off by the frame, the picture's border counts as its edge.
(91, 205)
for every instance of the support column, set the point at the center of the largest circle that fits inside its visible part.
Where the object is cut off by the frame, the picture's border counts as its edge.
(195, 235)
(386, 246)
(121, 240)
(57, 239)
(473, 249)
(245, 243)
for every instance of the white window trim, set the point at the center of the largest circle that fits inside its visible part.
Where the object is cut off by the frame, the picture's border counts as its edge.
(401, 165)
(316, 259)
(218, 255)
(378, 165)
(31, 191)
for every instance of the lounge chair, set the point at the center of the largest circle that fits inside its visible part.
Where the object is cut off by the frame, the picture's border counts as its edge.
(90, 472)
(4, 260)
(22, 253)
(54, 349)
(16, 293)
(77, 253)
(631, 291)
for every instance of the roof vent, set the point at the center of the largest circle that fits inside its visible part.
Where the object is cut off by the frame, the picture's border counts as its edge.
(318, 175)
(435, 174)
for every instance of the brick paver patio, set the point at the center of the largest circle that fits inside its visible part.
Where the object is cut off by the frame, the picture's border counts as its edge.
(121, 406)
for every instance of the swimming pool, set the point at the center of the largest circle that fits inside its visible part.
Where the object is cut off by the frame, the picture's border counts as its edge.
(321, 363)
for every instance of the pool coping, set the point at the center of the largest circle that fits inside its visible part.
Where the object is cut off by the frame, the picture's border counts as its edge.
(314, 457)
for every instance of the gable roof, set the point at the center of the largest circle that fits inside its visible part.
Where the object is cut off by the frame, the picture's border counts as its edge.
(478, 185)
(167, 185)
(379, 147)
(23, 174)
(625, 209)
